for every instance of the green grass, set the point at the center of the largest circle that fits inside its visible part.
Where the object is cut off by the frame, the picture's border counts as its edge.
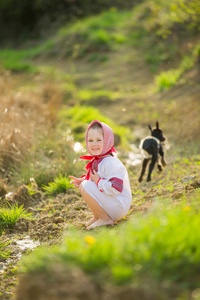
(95, 33)
(167, 79)
(20, 60)
(9, 215)
(60, 185)
(97, 96)
(78, 117)
(13, 60)
(162, 245)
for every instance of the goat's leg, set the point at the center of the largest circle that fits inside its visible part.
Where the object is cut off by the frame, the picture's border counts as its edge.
(144, 164)
(151, 166)
(161, 152)
(159, 164)
(163, 161)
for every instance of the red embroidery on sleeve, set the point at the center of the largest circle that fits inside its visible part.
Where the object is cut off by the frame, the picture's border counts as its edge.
(98, 183)
(117, 183)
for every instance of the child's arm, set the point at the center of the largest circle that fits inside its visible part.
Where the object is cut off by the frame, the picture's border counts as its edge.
(76, 181)
(94, 176)
(113, 182)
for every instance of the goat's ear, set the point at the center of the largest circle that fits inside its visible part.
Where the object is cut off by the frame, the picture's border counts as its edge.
(150, 127)
(157, 125)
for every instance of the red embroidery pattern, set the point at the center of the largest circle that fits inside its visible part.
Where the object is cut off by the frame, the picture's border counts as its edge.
(95, 164)
(117, 183)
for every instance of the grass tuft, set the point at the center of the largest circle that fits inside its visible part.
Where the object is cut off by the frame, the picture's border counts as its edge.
(9, 214)
(60, 185)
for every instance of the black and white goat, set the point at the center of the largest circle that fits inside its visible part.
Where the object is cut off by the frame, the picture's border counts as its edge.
(152, 149)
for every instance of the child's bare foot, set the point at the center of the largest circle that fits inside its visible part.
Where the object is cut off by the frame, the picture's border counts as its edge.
(100, 222)
(90, 222)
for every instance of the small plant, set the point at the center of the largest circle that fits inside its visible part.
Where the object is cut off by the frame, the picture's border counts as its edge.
(9, 215)
(60, 185)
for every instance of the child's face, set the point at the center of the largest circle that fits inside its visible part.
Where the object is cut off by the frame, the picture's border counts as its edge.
(95, 141)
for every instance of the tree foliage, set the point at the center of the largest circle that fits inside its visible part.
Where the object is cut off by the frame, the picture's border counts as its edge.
(167, 17)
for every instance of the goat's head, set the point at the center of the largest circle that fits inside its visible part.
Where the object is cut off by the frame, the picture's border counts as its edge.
(157, 132)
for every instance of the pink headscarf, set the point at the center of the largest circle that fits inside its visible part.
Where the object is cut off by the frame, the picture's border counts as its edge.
(108, 145)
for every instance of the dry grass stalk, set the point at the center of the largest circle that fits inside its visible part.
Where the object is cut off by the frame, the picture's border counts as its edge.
(23, 115)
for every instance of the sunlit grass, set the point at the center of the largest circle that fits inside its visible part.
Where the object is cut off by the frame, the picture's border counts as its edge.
(93, 34)
(9, 214)
(48, 158)
(154, 246)
(97, 96)
(60, 185)
(167, 79)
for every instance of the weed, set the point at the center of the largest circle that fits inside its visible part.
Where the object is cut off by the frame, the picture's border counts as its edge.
(9, 214)
(60, 185)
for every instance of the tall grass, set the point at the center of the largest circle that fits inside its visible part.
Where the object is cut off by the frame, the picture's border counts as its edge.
(50, 157)
(28, 114)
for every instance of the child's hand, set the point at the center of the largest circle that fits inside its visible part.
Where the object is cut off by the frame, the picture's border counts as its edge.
(94, 176)
(76, 181)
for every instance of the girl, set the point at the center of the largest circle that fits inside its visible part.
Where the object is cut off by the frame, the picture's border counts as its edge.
(105, 188)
